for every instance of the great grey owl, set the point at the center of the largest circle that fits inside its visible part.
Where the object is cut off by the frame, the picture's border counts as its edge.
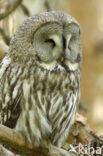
(40, 78)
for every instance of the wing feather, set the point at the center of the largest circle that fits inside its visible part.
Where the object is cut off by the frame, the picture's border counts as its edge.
(10, 93)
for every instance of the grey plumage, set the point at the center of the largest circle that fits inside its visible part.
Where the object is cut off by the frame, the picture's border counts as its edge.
(40, 78)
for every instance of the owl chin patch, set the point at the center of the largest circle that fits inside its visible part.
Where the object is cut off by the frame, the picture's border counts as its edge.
(72, 66)
(48, 66)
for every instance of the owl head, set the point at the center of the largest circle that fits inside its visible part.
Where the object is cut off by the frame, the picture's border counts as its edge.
(50, 39)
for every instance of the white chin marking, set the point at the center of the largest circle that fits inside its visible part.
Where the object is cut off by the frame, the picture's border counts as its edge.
(61, 67)
(49, 66)
(72, 66)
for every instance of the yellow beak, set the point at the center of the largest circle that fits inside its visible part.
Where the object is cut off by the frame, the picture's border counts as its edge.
(62, 59)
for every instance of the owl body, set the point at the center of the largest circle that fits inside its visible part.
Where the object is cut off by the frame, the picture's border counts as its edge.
(39, 95)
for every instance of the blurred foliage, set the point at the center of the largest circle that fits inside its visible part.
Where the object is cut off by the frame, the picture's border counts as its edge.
(89, 13)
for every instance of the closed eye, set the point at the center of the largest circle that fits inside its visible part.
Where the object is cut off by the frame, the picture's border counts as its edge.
(51, 42)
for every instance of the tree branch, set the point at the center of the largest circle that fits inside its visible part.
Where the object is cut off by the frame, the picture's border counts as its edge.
(25, 10)
(80, 131)
(5, 152)
(47, 5)
(4, 36)
(11, 9)
(15, 141)
(3, 49)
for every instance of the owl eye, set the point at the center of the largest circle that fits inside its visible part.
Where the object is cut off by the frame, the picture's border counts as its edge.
(51, 42)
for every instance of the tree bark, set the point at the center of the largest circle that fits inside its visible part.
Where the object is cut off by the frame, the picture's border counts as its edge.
(10, 10)
(16, 142)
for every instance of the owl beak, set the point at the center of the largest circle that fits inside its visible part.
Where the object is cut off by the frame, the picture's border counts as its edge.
(62, 59)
